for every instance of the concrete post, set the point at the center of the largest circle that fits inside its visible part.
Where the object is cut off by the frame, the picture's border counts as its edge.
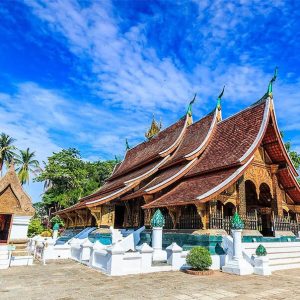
(157, 238)
(237, 243)
(174, 257)
(55, 231)
(237, 264)
(115, 262)
(157, 223)
(146, 261)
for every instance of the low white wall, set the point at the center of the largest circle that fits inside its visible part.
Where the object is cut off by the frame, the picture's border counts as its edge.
(19, 228)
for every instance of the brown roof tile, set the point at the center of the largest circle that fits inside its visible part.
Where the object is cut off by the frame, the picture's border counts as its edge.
(149, 150)
(119, 182)
(188, 190)
(194, 136)
(231, 140)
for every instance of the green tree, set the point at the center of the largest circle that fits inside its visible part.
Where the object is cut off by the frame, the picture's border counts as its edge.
(294, 155)
(70, 178)
(6, 150)
(26, 164)
(35, 227)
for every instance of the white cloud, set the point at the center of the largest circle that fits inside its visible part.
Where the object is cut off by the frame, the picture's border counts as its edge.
(133, 80)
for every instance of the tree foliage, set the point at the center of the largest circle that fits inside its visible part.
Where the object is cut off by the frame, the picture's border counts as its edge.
(35, 227)
(26, 164)
(68, 178)
(294, 155)
(6, 149)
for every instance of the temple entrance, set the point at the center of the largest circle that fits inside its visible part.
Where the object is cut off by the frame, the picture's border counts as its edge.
(229, 210)
(261, 203)
(189, 218)
(5, 222)
(119, 216)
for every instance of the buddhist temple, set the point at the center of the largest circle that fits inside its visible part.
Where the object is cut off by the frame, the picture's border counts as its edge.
(198, 173)
(16, 209)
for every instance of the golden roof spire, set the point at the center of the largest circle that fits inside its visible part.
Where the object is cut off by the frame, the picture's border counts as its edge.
(154, 129)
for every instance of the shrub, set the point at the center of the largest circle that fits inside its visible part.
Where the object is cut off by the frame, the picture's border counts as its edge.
(46, 233)
(199, 258)
(35, 227)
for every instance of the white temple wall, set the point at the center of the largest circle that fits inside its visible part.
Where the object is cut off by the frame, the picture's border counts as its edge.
(19, 228)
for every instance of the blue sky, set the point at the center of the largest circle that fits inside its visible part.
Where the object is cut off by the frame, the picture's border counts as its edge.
(89, 74)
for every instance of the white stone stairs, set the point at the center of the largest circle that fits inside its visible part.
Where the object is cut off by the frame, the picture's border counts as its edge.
(282, 255)
(4, 257)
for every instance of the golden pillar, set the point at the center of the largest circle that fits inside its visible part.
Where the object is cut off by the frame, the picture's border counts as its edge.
(277, 200)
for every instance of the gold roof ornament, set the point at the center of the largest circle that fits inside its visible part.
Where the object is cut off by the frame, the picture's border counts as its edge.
(154, 129)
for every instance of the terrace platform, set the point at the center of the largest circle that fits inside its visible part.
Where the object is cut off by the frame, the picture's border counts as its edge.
(71, 280)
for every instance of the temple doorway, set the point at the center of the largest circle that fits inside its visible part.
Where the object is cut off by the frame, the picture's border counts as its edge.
(229, 209)
(5, 222)
(119, 216)
(260, 200)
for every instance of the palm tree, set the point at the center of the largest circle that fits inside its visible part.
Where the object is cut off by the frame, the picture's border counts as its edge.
(26, 164)
(6, 150)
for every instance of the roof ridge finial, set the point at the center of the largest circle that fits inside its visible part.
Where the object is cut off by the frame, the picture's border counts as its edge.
(154, 128)
(127, 145)
(219, 106)
(270, 86)
(219, 98)
(189, 111)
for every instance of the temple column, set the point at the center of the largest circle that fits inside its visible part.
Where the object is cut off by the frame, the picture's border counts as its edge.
(108, 215)
(175, 213)
(202, 212)
(277, 201)
(96, 212)
(147, 212)
(241, 192)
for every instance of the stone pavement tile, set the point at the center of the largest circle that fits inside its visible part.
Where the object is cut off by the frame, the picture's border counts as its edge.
(67, 280)
(183, 297)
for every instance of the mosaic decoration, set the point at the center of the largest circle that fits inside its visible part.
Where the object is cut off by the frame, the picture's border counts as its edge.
(236, 222)
(56, 226)
(219, 99)
(154, 129)
(189, 111)
(261, 250)
(158, 219)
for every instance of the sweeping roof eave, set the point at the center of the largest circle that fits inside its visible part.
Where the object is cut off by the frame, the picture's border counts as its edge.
(289, 183)
(281, 143)
(200, 189)
(197, 137)
(161, 145)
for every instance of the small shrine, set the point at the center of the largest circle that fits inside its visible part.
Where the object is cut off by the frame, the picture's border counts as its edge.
(16, 209)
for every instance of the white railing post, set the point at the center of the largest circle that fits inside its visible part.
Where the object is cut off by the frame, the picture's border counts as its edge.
(174, 256)
(237, 264)
(157, 223)
(146, 261)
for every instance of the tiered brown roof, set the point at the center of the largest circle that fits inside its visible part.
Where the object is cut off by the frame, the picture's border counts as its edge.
(188, 191)
(203, 159)
(159, 146)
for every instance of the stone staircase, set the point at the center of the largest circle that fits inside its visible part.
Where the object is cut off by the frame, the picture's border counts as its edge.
(282, 255)
(20, 254)
(4, 257)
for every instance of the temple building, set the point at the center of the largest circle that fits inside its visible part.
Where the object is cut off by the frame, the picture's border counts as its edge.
(16, 209)
(198, 173)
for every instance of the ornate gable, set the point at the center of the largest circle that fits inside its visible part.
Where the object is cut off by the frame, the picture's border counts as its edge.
(13, 199)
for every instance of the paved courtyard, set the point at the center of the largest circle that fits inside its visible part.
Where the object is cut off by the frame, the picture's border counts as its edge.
(67, 280)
